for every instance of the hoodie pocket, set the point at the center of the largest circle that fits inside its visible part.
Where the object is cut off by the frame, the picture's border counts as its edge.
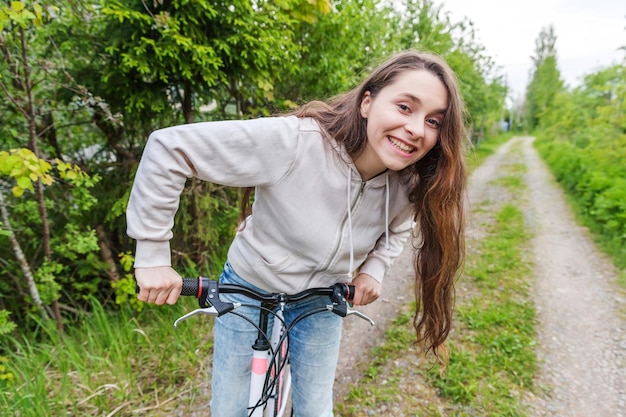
(287, 274)
(277, 266)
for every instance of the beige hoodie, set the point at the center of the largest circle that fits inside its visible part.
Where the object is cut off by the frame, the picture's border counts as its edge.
(314, 220)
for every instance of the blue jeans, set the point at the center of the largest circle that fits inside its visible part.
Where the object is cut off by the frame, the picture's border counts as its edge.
(314, 350)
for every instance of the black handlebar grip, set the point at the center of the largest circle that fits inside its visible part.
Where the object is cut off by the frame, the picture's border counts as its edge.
(191, 287)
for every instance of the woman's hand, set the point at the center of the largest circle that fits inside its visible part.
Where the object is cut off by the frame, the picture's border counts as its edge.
(158, 285)
(367, 290)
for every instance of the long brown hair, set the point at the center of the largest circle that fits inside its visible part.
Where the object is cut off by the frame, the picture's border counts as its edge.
(436, 188)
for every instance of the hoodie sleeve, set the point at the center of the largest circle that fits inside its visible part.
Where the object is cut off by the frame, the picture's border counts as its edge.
(381, 257)
(233, 153)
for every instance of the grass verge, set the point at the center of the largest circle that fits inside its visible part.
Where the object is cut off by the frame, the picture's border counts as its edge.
(124, 364)
(492, 354)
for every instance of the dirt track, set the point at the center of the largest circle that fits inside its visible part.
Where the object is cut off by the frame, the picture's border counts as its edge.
(581, 330)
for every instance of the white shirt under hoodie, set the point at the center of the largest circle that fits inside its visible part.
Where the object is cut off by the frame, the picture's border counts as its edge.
(314, 221)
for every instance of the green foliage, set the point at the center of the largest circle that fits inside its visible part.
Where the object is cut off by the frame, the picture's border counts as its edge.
(49, 288)
(6, 325)
(74, 246)
(20, 15)
(545, 81)
(126, 287)
(169, 54)
(598, 189)
(160, 49)
(335, 49)
(583, 140)
(24, 167)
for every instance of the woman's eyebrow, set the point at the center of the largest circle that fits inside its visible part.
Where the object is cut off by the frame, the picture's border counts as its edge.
(411, 97)
(417, 100)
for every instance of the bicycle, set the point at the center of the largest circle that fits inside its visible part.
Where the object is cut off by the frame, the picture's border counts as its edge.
(270, 381)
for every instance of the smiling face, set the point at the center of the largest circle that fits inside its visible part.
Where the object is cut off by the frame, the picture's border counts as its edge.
(403, 121)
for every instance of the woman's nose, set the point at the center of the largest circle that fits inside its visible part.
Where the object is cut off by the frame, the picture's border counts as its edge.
(415, 128)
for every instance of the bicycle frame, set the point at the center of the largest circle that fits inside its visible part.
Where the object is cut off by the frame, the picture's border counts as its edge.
(270, 357)
(264, 362)
(280, 395)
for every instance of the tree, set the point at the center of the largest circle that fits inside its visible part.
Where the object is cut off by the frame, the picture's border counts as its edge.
(33, 215)
(335, 49)
(23, 23)
(582, 136)
(545, 79)
(168, 62)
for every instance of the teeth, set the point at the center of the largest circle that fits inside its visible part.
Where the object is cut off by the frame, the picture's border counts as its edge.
(402, 146)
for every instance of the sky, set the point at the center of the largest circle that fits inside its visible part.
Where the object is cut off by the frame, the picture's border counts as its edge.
(589, 34)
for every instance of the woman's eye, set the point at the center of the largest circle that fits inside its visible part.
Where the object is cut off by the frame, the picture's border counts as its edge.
(404, 107)
(433, 122)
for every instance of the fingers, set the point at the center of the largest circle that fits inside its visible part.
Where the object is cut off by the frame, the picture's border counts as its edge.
(367, 290)
(158, 285)
(162, 296)
(363, 298)
(173, 297)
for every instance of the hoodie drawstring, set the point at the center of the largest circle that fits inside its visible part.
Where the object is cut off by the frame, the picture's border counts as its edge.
(350, 222)
(349, 197)
(387, 212)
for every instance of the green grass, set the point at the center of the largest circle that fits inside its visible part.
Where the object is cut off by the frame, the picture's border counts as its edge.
(492, 352)
(492, 356)
(111, 364)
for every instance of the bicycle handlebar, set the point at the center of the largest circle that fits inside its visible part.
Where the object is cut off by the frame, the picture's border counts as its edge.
(195, 287)
(203, 288)
(208, 293)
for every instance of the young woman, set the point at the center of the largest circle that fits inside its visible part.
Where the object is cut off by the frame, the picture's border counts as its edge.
(339, 189)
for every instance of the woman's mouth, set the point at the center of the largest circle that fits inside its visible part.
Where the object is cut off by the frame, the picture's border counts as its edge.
(401, 145)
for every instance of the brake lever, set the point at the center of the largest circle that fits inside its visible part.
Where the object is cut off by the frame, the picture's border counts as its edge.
(211, 311)
(343, 311)
(357, 313)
